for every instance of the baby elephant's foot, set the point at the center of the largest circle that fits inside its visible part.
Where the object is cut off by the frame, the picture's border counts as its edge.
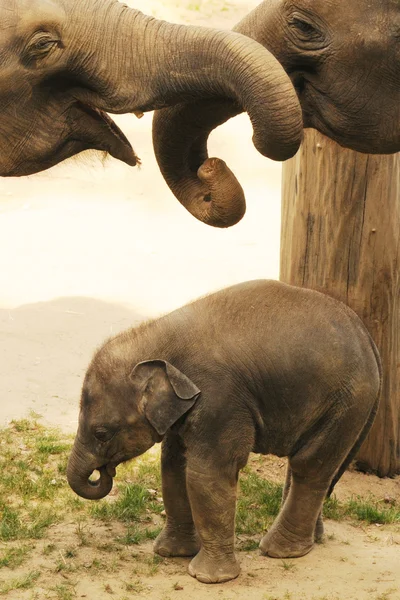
(213, 570)
(177, 542)
(281, 543)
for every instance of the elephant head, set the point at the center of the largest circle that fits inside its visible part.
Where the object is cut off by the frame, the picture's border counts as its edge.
(123, 413)
(65, 63)
(344, 61)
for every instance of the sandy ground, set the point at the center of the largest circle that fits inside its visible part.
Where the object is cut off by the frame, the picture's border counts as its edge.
(87, 249)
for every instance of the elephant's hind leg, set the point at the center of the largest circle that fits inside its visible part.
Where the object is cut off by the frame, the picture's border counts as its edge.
(292, 533)
(319, 527)
(179, 537)
(313, 467)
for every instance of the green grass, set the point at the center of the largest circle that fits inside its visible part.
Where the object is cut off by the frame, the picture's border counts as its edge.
(130, 505)
(368, 510)
(135, 535)
(258, 503)
(21, 583)
(14, 557)
(18, 524)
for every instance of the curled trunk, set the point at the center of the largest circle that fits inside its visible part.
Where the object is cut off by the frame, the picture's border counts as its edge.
(180, 137)
(206, 187)
(81, 466)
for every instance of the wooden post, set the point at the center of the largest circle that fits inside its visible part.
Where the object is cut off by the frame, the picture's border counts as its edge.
(341, 235)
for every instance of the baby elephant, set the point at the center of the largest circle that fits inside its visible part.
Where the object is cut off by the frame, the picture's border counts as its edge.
(258, 367)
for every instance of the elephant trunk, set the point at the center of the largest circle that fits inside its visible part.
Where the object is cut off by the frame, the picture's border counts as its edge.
(180, 137)
(206, 187)
(81, 465)
(142, 64)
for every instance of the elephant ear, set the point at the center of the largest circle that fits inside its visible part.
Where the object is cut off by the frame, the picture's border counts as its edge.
(167, 393)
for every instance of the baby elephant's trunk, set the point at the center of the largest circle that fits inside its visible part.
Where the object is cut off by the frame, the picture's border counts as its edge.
(80, 467)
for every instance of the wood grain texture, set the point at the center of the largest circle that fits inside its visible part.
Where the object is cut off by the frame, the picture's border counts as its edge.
(341, 235)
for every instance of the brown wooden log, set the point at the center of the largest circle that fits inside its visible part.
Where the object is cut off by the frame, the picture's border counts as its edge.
(340, 234)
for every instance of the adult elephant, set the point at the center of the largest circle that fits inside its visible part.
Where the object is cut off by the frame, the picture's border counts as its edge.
(64, 63)
(344, 61)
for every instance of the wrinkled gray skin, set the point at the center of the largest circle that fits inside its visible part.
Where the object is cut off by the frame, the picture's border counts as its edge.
(65, 62)
(259, 367)
(344, 60)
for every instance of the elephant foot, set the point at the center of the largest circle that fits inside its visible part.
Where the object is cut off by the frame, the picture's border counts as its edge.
(214, 570)
(177, 542)
(281, 543)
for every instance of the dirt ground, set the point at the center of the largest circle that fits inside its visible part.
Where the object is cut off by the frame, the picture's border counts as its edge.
(87, 249)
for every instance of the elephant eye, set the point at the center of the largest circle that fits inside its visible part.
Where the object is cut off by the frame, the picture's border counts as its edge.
(44, 45)
(41, 44)
(303, 26)
(304, 29)
(103, 435)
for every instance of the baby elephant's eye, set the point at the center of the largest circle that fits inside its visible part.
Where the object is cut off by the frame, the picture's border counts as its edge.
(303, 26)
(304, 30)
(103, 434)
(41, 45)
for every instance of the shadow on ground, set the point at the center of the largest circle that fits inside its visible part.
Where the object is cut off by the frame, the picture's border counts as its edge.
(45, 349)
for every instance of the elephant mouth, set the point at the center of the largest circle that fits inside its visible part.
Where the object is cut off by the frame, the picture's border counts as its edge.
(103, 133)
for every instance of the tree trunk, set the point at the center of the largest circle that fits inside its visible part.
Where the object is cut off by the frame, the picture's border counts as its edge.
(341, 235)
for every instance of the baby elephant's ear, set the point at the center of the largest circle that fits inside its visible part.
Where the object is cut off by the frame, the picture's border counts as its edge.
(166, 392)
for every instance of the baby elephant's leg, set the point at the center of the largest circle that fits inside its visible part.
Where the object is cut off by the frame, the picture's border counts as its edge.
(212, 495)
(319, 527)
(179, 537)
(313, 467)
(292, 533)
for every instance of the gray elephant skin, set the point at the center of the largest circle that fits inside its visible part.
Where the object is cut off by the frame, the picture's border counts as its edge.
(258, 367)
(65, 62)
(343, 59)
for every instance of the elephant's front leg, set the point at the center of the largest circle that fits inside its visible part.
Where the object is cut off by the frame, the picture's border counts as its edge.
(212, 497)
(179, 537)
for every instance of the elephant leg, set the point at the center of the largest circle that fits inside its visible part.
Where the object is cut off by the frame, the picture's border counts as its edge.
(179, 537)
(319, 527)
(213, 500)
(292, 533)
(313, 467)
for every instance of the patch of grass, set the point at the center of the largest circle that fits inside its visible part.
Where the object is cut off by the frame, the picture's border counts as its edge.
(21, 583)
(248, 545)
(17, 524)
(65, 591)
(133, 504)
(15, 556)
(129, 506)
(50, 444)
(134, 535)
(368, 510)
(258, 503)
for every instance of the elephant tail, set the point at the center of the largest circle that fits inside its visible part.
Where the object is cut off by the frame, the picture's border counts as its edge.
(361, 438)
